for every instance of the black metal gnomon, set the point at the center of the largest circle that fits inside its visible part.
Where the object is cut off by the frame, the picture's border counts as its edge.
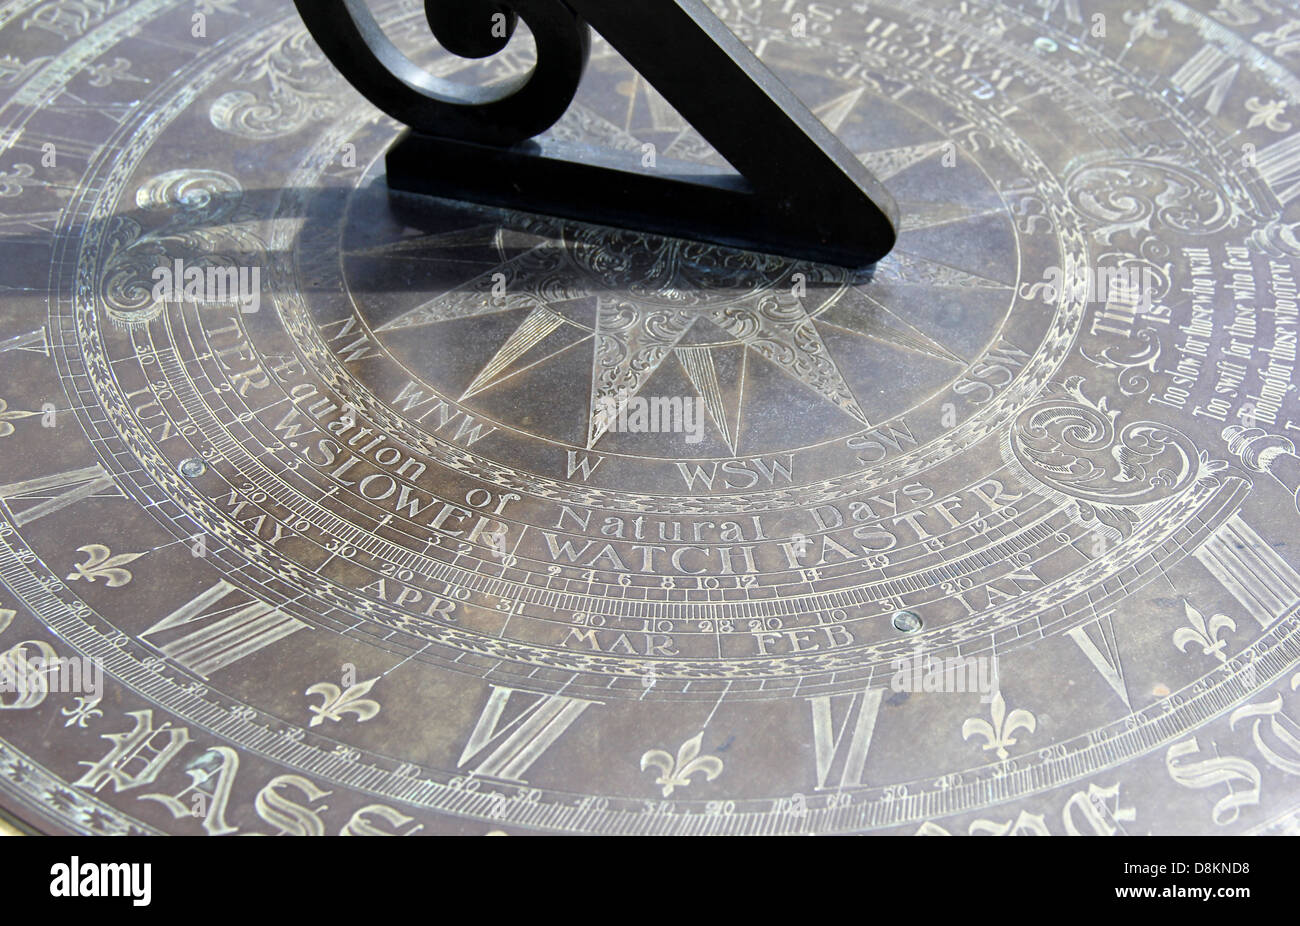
(798, 190)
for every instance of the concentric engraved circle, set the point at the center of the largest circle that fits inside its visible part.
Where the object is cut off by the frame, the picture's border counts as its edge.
(358, 522)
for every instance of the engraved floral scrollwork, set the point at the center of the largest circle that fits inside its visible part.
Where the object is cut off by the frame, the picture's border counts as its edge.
(296, 90)
(204, 219)
(777, 328)
(632, 339)
(663, 271)
(1130, 364)
(1144, 197)
(1277, 238)
(1077, 447)
(71, 20)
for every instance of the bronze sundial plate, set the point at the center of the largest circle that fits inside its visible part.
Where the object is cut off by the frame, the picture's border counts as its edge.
(995, 537)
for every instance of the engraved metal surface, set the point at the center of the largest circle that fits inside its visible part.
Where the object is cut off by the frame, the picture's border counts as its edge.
(414, 518)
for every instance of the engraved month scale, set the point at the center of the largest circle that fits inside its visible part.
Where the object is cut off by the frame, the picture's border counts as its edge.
(652, 417)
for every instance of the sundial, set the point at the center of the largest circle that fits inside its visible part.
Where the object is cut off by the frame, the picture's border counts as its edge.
(907, 447)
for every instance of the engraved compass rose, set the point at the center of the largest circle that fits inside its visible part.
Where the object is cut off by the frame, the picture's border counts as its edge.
(366, 560)
(639, 303)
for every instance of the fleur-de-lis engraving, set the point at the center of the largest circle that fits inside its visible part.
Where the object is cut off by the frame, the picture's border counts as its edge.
(337, 702)
(1143, 22)
(676, 773)
(998, 734)
(1205, 634)
(85, 711)
(7, 416)
(1268, 114)
(102, 564)
(103, 74)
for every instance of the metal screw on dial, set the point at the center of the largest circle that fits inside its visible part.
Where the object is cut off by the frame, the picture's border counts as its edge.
(192, 468)
(906, 621)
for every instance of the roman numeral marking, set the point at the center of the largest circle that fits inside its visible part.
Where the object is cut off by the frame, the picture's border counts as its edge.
(830, 741)
(510, 749)
(1197, 76)
(35, 341)
(76, 485)
(44, 221)
(1248, 567)
(1097, 640)
(114, 111)
(1279, 165)
(225, 640)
